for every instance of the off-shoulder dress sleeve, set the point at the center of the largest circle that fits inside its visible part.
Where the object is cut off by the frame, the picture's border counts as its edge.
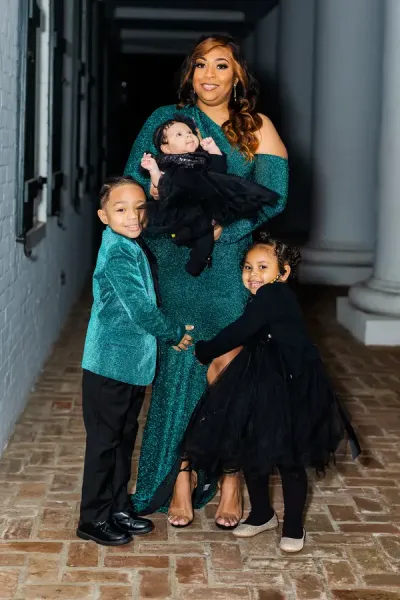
(272, 172)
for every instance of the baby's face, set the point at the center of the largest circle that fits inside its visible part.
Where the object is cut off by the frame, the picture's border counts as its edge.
(180, 140)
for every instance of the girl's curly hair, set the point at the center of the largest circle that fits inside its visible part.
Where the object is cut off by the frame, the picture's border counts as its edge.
(243, 123)
(285, 253)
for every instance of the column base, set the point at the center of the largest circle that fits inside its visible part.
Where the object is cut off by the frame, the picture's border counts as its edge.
(368, 328)
(334, 267)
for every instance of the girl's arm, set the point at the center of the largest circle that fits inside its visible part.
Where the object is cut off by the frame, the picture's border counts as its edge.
(271, 170)
(144, 143)
(125, 277)
(255, 316)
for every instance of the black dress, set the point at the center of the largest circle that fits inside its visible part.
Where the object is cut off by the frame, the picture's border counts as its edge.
(273, 405)
(194, 191)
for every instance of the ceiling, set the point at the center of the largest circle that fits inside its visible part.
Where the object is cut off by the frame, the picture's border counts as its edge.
(172, 26)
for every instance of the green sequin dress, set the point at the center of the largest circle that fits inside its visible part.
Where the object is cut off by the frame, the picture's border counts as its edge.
(209, 302)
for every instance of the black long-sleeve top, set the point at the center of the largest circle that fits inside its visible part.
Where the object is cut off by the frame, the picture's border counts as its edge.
(272, 314)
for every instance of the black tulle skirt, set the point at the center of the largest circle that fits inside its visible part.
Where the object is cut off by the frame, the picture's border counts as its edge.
(192, 199)
(255, 417)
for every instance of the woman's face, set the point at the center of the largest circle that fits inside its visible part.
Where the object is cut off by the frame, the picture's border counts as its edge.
(214, 76)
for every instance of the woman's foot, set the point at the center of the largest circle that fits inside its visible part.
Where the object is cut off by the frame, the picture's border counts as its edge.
(180, 513)
(230, 508)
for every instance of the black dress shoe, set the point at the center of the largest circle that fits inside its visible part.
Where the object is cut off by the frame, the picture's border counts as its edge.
(104, 533)
(129, 522)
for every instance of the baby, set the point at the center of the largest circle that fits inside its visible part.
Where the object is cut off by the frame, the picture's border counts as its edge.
(195, 192)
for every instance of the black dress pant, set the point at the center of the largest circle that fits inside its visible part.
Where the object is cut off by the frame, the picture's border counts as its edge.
(110, 414)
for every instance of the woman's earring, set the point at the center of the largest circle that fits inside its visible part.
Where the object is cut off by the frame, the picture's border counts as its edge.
(234, 92)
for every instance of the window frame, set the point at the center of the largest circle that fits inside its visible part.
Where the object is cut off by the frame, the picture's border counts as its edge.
(29, 185)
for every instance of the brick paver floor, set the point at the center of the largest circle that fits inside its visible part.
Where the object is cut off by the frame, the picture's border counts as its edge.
(353, 516)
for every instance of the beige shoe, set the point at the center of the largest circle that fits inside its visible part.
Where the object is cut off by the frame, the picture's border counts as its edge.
(248, 531)
(288, 544)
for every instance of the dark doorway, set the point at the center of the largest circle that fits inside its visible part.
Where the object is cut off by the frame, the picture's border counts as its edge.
(139, 83)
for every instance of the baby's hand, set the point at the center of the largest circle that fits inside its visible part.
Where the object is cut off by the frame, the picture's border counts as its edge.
(210, 146)
(149, 163)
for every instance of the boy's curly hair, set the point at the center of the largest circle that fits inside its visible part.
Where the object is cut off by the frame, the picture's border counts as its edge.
(285, 253)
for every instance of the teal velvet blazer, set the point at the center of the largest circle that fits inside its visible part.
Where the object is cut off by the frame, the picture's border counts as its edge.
(125, 320)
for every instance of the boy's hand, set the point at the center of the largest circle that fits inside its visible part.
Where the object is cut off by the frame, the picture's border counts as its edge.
(210, 146)
(149, 163)
(186, 341)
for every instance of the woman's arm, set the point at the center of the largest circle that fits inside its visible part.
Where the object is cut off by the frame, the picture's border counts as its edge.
(144, 143)
(270, 142)
(270, 170)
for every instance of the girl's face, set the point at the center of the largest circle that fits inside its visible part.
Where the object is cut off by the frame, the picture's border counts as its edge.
(214, 76)
(180, 139)
(261, 267)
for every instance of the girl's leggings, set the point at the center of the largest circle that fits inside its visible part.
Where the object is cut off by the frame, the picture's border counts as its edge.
(294, 485)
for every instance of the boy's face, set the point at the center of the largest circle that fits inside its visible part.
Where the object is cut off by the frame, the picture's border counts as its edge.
(121, 212)
(180, 140)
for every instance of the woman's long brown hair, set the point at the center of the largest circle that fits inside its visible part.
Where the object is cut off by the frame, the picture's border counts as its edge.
(243, 123)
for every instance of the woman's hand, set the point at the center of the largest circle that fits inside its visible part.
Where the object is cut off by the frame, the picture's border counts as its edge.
(186, 341)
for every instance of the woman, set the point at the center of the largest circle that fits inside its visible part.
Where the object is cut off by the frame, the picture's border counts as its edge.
(219, 93)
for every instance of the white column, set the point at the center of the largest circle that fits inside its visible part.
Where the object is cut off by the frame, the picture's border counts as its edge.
(345, 134)
(372, 310)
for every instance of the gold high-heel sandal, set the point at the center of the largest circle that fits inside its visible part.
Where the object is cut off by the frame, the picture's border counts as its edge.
(229, 527)
(193, 485)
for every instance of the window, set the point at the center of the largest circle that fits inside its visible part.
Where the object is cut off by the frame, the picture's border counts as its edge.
(58, 46)
(40, 112)
(82, 123)
(29, 182)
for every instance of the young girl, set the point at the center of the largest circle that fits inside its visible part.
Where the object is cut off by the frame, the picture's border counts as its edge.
(273, 405)
(195, 192)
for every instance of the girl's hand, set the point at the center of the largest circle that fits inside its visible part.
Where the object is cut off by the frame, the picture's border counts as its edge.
(149, 163)
(210, 146)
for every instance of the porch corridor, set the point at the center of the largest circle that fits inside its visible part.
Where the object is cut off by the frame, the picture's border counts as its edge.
(353, 520)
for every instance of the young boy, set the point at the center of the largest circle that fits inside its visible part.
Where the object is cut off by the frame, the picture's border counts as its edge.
(119, 361)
